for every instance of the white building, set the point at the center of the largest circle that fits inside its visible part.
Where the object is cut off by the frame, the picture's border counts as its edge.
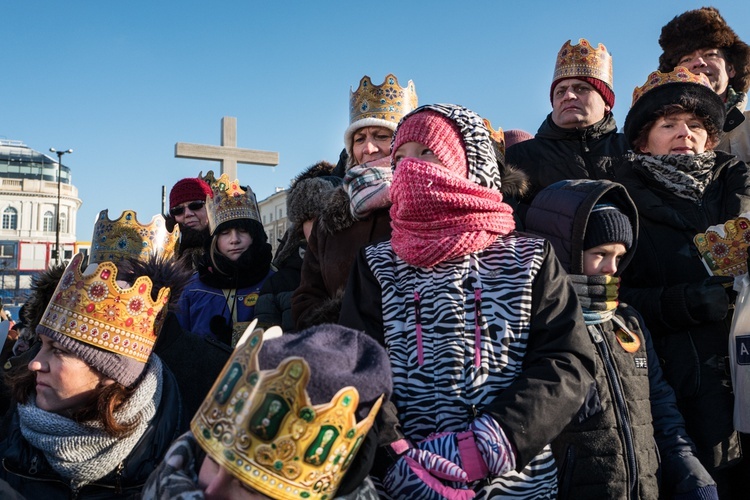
(273, 214)
(28, 207)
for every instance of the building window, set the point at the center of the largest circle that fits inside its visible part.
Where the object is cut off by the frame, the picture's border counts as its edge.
(48, 222)
(6, 251)
(10, 218)
(63, 222)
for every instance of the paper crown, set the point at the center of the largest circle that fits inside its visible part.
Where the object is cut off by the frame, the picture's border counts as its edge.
(230, 201)
(497, 136)
(679, 75)
(262, 427)
(92, 308)
(723, 248)
(584, 60)
(116, 240)
(389, 101)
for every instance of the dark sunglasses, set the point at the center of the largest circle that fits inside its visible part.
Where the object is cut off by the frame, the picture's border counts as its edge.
(193, 206)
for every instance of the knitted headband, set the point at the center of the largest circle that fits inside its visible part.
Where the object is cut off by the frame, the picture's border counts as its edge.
(189, 189)
(438, 133)
(607, 224)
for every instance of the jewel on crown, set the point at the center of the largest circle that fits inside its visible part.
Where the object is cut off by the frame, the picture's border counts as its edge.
(584, 60)
(262, 427)
(388, 101)
(116, 240)
(678, 75)
(723, 247)
(231, 201)
(92, 308)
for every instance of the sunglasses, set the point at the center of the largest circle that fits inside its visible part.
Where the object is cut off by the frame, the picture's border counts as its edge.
(193, 206)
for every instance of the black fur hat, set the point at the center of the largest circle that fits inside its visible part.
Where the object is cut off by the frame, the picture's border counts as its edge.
(701, 29)
(310, 191)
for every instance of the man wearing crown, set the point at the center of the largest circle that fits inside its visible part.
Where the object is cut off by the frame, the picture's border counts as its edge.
(702, 41)
(578, 139)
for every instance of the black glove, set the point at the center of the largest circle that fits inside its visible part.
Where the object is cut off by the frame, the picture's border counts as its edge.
(708, 300)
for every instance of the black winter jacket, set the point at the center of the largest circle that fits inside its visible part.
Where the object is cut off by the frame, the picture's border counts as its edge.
(612, 449)
(693, 353)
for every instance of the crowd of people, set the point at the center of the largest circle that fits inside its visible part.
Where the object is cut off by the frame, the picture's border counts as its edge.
(454, 312)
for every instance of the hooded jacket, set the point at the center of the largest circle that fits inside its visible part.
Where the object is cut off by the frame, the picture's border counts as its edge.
(532, 339)
(608, 450)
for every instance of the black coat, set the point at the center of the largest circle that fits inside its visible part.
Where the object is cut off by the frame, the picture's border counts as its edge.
(693, 353)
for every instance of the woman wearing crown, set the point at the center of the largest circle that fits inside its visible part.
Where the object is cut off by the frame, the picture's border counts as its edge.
(357, 212)
(96, 409)
(222, 293)
(681, 186)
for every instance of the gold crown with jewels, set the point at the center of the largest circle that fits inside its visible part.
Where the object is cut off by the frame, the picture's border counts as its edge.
(379, 105)
(678, 75)
(584, 60)
(116, 240)
(262, 427)
(231, 201)
(92, 308)
(723, 248)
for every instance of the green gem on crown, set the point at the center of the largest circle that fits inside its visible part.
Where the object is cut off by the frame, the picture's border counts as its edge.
(346, 401)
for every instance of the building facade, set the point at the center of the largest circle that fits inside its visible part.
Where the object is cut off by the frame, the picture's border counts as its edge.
(273, 214)
(30, 194)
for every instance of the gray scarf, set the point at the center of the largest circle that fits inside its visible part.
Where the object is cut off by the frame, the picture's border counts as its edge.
(84, 452)
(687, 176)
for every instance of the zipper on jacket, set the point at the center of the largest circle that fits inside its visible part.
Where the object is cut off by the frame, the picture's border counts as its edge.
(33, 466)
(74, 491)
(622, 409)
(118, 478)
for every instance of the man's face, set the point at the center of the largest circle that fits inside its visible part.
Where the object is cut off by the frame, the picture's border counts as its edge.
(577, 104)
(191, 214)
(712, 63)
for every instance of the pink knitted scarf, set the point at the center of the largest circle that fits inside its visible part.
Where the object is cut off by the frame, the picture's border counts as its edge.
(437, 216)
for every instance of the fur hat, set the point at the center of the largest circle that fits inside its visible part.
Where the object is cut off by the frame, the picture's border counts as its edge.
(309, 192)
(189, 189)
(702, 29)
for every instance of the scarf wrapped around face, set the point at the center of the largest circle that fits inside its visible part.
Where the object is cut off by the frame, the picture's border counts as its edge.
(437, 215)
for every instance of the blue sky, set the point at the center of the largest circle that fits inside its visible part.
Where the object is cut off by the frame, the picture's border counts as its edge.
(122, 82)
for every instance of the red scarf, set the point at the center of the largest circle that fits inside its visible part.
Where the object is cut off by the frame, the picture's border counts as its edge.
(437, 216)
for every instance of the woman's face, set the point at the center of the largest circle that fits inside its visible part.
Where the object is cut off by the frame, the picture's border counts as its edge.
(218, 484)
(417, 151)
(371, 143)
(232, 243)
(64, 382)
(678, 134)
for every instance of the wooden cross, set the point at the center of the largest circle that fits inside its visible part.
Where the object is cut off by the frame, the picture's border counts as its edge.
(228, 153)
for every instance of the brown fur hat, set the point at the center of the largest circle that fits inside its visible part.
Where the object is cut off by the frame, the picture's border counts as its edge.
(701, 29)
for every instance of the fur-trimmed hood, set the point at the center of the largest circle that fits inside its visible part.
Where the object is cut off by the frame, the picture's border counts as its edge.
(702, 29)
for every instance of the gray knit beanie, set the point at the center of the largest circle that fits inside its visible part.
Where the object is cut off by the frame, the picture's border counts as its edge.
(608, 225)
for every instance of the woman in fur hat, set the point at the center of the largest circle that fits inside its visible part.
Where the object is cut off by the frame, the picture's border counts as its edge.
(96, 410)
(484, 333)
(356, 214)
(681, 186)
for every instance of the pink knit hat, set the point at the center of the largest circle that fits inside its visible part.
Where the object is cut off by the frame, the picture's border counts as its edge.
(189, 189)
(438, 133)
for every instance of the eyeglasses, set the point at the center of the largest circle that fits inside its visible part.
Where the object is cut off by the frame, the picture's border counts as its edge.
(193, 206)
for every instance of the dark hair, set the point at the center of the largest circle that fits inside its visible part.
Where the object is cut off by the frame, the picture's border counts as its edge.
(22, 382)
(685, 106)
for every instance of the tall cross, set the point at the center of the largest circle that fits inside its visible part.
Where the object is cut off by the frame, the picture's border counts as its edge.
(228, 153)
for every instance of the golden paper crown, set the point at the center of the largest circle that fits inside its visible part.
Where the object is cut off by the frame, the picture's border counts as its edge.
(92, 308)
(262, 427)
(115, 240)
(498, 136)
(678, 75)
(388, 102)
(230, 202)
(584, 60)
(723, 247)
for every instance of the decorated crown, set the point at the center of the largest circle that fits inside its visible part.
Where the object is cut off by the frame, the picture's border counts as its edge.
(679, 75)
(389, 101)
(230, 201)
(498, 136)
(92, 308)
(584, 60)
(262, 427)
(115, 240)
(723, 248)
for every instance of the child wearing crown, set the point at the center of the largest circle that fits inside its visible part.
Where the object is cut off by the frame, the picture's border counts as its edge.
(222, 293)
(682, 186)
(95, 407)
(483, 330)
(290, 420)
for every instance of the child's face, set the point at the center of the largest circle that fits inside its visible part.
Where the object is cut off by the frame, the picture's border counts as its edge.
(415, 150)
(603, 259)
(233, 242)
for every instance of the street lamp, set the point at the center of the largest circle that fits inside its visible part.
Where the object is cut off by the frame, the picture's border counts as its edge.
(57, 225)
